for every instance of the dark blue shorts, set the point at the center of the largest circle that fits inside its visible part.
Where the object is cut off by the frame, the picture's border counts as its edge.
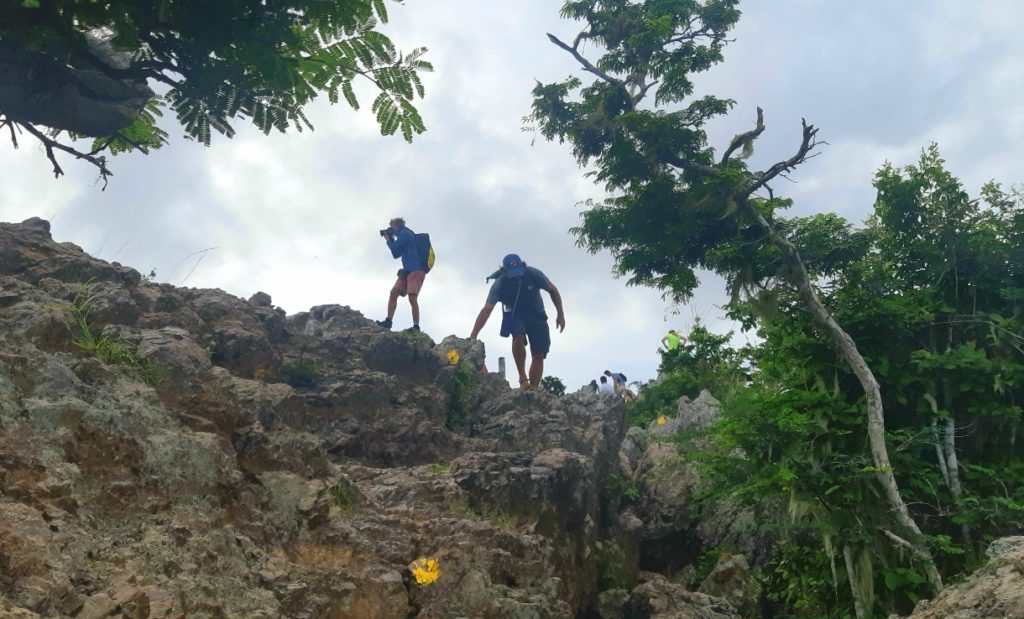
(537, 333)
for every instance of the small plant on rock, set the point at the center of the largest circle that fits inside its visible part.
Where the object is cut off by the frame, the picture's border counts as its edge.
(300, 375)
(622, 486)
(108, 351)
(437, 468)
(342, 496)
(459, 389)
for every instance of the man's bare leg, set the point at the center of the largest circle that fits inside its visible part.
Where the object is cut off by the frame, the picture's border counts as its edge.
(536, 370)
(392, 303)
(519, 356)
(415, 305)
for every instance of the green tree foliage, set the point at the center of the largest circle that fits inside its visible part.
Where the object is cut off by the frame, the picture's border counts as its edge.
(703, 361)
(649, 155)
(677, 206)
(82, 66)
(553, 385)
(930, 291)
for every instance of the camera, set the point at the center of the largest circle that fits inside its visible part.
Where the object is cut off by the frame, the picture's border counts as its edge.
(386, 233)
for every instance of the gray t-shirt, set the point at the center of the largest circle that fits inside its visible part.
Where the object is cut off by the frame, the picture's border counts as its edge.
(528, 287)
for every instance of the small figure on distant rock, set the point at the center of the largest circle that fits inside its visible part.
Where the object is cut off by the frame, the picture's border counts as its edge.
(605, 386)
(618, 380)
(402, 243)
(518, 287)
(593, 386)
(672, 340)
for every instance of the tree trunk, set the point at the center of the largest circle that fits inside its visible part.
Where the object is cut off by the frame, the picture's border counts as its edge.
(953, 465)
(873, 395)
(950, 444)
(851, 575)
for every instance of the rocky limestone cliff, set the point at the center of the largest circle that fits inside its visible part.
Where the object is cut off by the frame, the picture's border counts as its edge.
(232, 461)
(996, 591)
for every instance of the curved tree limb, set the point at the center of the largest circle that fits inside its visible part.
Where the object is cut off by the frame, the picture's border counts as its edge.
(872, 392)
(807, 144)
(744, 138)
(587, 65)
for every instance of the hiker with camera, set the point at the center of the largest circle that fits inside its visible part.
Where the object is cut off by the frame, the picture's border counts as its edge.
(517, 287)
(408, 246)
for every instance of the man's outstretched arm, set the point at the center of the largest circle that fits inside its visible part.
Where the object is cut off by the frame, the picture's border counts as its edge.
(481, 319)
(556, 298)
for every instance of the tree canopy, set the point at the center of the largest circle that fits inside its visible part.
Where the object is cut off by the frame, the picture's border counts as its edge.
(931, 292)
(84, 68)
(676, 205)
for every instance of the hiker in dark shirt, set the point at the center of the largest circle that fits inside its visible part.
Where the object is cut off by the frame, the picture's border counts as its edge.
(402, 243)
(518, 288)
(618, 380)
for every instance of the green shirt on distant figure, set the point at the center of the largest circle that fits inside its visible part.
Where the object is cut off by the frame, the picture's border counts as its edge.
(671, 340)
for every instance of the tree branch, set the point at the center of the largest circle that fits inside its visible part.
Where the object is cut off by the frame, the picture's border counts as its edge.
(690, 166)
(10, 126)
(50, 144)
(587, 65)
(807, 144)
(741, 139)
(899, 541)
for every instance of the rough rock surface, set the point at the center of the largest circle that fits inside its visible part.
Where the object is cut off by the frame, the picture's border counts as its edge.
(733, 581)
(996, 591)
(239, 462)
(670, 536)
(655, 597)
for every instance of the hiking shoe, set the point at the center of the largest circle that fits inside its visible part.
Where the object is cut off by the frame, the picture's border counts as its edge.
(386, 323)
(413, 329)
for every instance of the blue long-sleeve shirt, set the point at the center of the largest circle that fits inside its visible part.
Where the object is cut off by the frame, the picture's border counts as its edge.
(403, 246)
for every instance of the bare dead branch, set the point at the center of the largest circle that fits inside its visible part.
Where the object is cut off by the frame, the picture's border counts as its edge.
(807, 144)
(582, 36)
(747, 136)
(50, 144)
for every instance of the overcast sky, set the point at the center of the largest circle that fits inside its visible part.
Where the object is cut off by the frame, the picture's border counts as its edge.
(297, 215)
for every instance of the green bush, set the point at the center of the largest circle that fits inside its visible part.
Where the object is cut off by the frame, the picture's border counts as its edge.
(459, 390)
(301, 375)
(553, 385)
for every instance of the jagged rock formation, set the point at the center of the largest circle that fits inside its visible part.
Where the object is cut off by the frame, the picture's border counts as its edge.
(231, 461)
(670, 536)
(655, 597)
(996, 591)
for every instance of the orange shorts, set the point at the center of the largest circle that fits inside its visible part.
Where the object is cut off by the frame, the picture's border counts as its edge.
(410, 283)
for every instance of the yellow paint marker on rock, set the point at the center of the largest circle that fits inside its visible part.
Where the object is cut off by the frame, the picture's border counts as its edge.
(425, 570)
(661, 420)
(453, 356)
